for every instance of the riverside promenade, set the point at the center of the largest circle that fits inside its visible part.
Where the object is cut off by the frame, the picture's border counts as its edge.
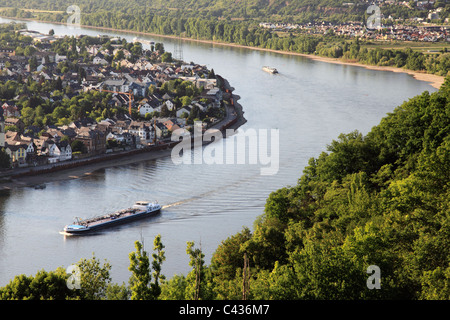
(75, 168)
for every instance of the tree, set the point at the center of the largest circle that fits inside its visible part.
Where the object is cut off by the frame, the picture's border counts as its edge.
(158, 259)
(140, 274)
(159, 47)
(211, 74)
(5, 160)
(141, 285)
(198, 279)
(164, 111)
(78, 146)
(228, 257)
(44, 286)
(94, 279)
(166, 57)
(174, 289)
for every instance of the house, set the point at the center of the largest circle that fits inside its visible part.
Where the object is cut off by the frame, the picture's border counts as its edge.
(10, 110)
(17, 153)
(124, 138)
(185, 109)
(93, 139)
(161, 130)
(98, 60)
(121, 85)
(144, 131)
(169, 104)
(146, 108)
(216, 95)
(138, 89)
(59, 151)
(15, 122)
(171, 124)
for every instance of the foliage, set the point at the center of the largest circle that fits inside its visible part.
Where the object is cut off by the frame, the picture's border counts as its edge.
(43, 286)
(94, 278)
(141, 285)
(5, 160)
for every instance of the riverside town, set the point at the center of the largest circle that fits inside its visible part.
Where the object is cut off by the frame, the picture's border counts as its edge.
(129, 172)
(90, 98)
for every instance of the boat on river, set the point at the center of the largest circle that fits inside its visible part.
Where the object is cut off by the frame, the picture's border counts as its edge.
(270, 69)
(143, 41)
(139, 210)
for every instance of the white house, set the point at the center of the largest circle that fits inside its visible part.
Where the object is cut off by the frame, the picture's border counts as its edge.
(147, 108)
(144, 131)
(184, 109)
(59, 58)
(169, 104)
(123, 138)
(60, 151)
(31, 149)
(98, 60)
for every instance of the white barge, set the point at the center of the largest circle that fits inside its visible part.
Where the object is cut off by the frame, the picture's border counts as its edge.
(270, 70)
(139, 210)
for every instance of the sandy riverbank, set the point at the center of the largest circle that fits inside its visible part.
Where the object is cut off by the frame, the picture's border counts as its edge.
(434, 80)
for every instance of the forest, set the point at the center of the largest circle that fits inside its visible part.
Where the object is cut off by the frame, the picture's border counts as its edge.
(296, 11)
(380, 199)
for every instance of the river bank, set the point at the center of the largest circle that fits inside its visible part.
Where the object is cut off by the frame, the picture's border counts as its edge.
(434, 80)
(36, 177)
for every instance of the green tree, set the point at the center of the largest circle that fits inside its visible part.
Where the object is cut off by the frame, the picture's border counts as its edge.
(94, 278)
(158, 259)
(78, 146)
(141, 285)
(43, 286)
(5, 160)
(140, 279)
(198, 279)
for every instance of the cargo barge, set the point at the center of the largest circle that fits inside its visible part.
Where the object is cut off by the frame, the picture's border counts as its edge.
(139, 210)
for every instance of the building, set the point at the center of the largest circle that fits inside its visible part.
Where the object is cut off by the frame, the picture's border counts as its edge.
(161, 130)
(59, 151)
(93, 139)
(17, 153)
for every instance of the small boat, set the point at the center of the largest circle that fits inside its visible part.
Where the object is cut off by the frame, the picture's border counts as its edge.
(143, 41)
(139, 210)
(270, 70)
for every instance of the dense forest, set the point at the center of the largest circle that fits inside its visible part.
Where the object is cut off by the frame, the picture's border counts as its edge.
(297, 10)
(381, 199)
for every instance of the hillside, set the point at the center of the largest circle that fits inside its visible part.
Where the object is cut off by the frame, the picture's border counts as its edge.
(235, 9)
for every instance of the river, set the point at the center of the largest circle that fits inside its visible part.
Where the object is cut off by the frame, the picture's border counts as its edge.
(309, 102)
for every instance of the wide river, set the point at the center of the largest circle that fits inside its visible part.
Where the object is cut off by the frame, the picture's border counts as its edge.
(309, 102)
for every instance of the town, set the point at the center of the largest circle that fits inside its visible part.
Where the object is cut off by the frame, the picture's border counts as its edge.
(427, 25)
(400, 32)
(141, 96)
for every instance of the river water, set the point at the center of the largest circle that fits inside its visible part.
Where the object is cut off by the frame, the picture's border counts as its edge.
(309, 102)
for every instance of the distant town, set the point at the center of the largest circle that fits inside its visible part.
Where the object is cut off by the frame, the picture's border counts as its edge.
(426, 26)
(400, 32)
(154, 94)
